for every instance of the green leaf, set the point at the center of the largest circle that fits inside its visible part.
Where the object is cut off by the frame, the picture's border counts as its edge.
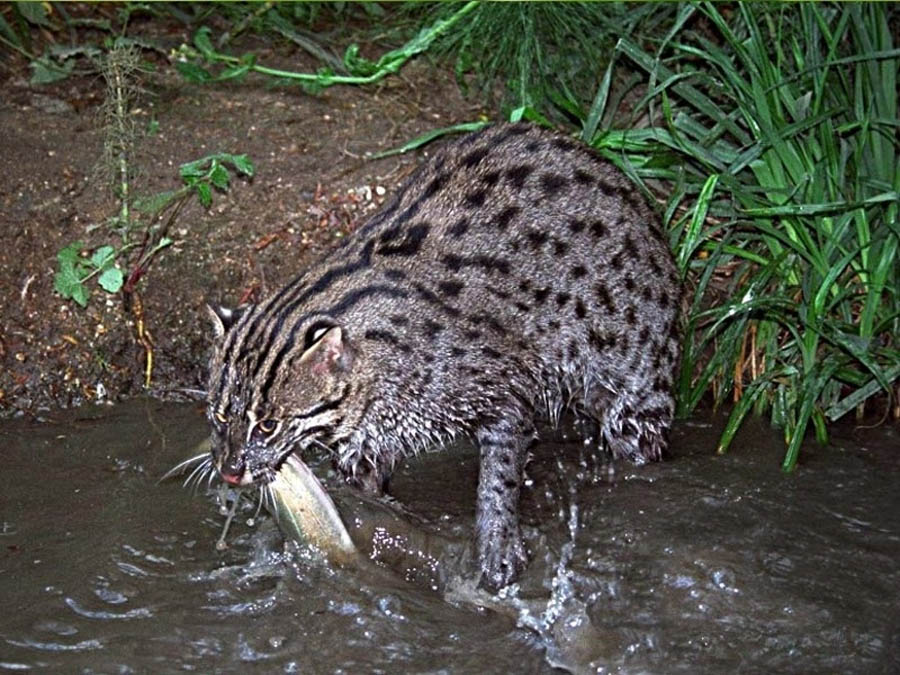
(202, 41)
(34, 12)
(356, 64)
(204, 192)
(7, 32)
(219, 176)
(598, 106)
(243, 164)
(45, 71)
(192, 72)
(527, 112)
(751, 393)
(103, 257)
(65, 280)
(693, 238)
(872, 387)
(429, 136)
(73, 269)
(70, 253)
(373, 10)
(812, 387)
(111, 280)
(193, 170)
(80, 294)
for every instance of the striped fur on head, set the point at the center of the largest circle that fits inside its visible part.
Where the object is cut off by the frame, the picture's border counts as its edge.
(295, 404)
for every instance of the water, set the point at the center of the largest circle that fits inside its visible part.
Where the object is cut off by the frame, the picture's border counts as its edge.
(702, 564)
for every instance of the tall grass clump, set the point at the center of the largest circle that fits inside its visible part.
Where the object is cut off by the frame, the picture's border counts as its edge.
(541, 55)
(774, 132)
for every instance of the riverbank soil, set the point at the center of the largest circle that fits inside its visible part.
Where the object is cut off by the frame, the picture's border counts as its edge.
(314, 183)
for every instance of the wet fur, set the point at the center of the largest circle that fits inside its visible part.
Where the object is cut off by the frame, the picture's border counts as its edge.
(516, 271)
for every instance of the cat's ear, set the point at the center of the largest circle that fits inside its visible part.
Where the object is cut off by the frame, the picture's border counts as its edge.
(328, 352)
(223, 318)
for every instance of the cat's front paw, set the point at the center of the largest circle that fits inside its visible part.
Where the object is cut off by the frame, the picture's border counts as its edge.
(501, 560)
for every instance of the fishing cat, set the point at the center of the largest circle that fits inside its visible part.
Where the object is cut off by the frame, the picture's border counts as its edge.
(515, 271)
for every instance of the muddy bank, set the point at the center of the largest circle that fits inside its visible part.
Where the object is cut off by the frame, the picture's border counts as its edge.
(314, 183)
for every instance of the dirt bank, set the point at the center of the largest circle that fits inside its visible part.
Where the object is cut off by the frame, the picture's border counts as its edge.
(313, 185)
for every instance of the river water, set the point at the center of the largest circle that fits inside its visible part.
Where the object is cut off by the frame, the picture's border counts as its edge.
(701, 564)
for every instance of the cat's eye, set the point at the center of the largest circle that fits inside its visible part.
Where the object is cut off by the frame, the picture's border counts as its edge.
(220, 417)
(267, 426)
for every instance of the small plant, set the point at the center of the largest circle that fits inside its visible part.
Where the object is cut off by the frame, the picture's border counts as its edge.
(201, 175)
(152, 216)
(141, 224)
(75, 271)
(120, 70)
(199, 178)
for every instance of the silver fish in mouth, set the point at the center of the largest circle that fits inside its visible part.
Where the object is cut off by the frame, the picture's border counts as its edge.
(306, 512)
(295, 497)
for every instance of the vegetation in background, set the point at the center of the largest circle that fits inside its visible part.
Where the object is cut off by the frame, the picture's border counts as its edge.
(770, 133)
(775, 135)
(142, 223)
(361, 70)
(545, 57)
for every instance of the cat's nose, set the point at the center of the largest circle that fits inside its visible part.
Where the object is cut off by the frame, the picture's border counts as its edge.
(232, 472)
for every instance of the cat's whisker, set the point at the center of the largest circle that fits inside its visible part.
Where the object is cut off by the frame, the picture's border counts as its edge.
(326, 448)
(199, 471)
(181, 466)
(268, 496)
(259, 502)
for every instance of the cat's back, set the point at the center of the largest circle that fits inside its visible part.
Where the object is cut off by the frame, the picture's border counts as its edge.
(517, 226)
(500, 190)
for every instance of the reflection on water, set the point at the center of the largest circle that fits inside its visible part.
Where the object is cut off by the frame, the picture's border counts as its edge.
(702, 564)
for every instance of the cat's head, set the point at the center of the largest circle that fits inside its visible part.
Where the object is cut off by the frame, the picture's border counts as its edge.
(275, 386)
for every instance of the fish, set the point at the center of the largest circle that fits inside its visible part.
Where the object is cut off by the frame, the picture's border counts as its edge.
(302, 508)
(305, 512)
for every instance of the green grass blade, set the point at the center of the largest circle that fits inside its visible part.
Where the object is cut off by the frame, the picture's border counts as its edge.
(429, 136)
